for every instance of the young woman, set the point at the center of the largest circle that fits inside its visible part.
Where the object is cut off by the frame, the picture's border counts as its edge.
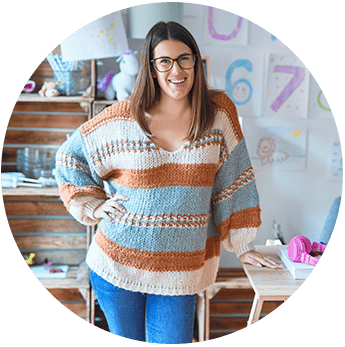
(178, 183)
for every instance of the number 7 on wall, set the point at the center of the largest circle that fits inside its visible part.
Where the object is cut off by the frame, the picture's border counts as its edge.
(297, 79)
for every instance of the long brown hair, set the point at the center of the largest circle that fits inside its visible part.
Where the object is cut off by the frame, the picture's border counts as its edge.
(147, 90)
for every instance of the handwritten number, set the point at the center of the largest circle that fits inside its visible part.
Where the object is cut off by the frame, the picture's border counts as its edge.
(231, 87)
(320, 103)
(213, 31)
(297, 79)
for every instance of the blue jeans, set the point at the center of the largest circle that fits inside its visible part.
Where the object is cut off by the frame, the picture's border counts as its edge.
(145, 317)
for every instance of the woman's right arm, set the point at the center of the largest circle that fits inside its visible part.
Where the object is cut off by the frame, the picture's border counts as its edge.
(81, 188)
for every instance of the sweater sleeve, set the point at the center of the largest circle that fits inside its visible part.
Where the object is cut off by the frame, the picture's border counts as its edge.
(81, 189)
(235, 199)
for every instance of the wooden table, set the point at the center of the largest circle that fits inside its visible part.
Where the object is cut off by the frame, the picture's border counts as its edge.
(269, 284)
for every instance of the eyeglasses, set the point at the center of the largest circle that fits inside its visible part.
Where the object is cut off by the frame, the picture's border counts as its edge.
(164, 64)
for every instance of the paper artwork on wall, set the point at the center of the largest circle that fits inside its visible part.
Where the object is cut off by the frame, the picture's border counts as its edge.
(318, 105)
(277, 147)
(240, 75)
(225, 28)
(103, 38)
(335, 171)
(287, 87)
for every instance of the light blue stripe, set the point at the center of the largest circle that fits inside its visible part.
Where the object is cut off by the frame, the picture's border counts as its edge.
(156, 239)
(245, 197)
(165, 200)
(75, 147)
(237, 163)
(167, 239)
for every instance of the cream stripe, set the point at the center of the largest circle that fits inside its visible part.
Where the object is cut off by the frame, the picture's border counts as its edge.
(222, 122)
(149, 160)
(163, 283)
(240, 240)
(118, 129)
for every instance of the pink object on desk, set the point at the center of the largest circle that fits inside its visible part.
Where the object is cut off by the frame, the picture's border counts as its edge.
(300, 247)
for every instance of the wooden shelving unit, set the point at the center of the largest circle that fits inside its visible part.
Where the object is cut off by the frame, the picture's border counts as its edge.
(38, 220)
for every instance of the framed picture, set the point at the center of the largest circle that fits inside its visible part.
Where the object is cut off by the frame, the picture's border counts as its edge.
(206, 66)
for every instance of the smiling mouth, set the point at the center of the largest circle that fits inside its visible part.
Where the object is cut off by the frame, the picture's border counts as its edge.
(177, 82)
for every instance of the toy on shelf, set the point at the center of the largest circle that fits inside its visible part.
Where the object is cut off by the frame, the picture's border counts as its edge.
(48, 266)
(121, 84)
(29, 86)
(105, 85)
(50, 89)
(300, 247)
(29, 259)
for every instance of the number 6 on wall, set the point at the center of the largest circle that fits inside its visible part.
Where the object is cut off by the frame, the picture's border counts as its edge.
(231, 87)
(297, 79)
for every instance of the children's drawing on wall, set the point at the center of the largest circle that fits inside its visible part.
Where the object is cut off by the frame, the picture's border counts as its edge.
(277, 147)
(287, 87)
(335, 170)
(318, 104)
(225, 28)
(240, 75)
(266, 150)
(104, 37)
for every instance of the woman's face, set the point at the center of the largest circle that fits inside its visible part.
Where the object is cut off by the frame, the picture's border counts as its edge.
(177, 82)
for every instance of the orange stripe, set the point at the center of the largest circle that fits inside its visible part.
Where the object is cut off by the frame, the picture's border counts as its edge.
(248, 218)
(69, 191)
(158, 261)
(195, 175)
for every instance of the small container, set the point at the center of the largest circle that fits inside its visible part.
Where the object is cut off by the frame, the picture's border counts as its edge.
(46, 173)
(71, 81)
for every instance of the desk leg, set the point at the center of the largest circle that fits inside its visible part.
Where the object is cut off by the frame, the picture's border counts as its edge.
(207, 315)
(255, 311)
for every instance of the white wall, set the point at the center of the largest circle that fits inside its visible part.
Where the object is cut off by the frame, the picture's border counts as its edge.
(298, 200)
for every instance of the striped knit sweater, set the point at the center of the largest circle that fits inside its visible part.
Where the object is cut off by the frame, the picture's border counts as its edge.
(181, 205)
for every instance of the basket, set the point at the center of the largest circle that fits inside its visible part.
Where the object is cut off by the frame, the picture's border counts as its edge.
(67, 72)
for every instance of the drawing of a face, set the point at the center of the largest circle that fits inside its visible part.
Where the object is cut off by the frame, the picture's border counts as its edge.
(240, 93)
(265, 147)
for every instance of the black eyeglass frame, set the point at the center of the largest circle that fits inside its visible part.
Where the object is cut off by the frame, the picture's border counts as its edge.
(173, 61)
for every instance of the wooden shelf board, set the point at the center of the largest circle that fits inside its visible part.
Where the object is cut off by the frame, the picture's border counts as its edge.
(105, 102)
(52, 192)
(69, 282)
(37, 98)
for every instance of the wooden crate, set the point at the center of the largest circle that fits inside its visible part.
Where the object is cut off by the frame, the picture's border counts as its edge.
(40, 224)
(44, 123)
(42, 126)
